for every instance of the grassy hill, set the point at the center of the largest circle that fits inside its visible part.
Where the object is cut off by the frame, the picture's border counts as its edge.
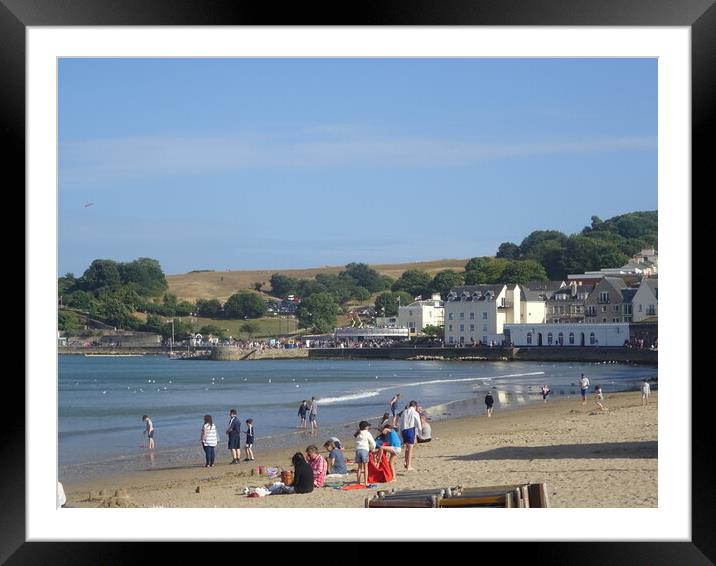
(222, 284)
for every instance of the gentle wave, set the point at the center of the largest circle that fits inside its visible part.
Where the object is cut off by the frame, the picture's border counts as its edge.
(352, 397)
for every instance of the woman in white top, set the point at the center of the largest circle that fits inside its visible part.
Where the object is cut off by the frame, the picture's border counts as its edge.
(209, 440)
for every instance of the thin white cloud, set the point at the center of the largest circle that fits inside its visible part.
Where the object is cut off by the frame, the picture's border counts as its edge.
(320, 147)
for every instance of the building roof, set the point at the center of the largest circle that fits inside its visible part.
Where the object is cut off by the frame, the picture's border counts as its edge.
(473, 290)
(426, 303)
(653, 284)
(532, 295)
(543, 285)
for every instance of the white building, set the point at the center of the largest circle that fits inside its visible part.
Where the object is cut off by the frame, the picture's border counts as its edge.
(574, 334)
(646, 299)
(419, 314)
(478, 313)
(643, 264)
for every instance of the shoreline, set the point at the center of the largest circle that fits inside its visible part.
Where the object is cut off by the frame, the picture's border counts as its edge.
(568, 445)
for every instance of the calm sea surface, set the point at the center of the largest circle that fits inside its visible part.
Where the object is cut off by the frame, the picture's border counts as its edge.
(102, 400)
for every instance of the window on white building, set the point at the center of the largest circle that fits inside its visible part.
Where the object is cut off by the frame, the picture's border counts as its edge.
(472, 316)
(484, 316)
(529, 338)
(451, 339)
(592, 339)
(560, 339)
(571, 338)
(484, 328)
(449, 327)
(450, 316)
(604, 296)
(549, 338)
(462, 316)
(472, 328)
(462, 328)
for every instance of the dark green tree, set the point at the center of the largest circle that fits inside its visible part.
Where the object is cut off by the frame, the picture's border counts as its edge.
(101, 273)
(523, 271)
(244, 304)
(508, 250)
(446, 280)
(210, 308)
(386, 304)
(184, 308)
(282, 285)
(318, 312)
(477, 263)
(475, 277)
(364, 276)
(434, 331)
(117, 314)
(146, 274)
(413, 282)
(67, 321)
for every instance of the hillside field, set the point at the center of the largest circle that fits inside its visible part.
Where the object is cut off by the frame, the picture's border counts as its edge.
(222, 284)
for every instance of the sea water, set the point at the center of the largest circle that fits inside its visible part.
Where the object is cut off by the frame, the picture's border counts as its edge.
(102, 400)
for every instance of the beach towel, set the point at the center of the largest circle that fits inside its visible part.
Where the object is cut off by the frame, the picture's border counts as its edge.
(380, 472)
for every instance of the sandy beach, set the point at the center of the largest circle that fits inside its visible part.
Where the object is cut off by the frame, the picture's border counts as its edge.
(587, 459)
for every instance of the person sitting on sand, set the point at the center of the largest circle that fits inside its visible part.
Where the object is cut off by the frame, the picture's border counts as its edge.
(387, 419)
(318, 465)
(424, 435)
(302, 474)
(336, 461)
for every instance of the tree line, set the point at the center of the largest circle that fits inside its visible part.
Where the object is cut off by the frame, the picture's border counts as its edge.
(113, 290)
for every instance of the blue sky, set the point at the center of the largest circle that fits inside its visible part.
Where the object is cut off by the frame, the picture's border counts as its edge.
(279, 163)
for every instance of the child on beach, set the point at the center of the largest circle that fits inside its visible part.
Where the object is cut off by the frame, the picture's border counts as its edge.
(249, 444)
(209, 440)
(545, 392)
(302, 410)
(365, 443)
(583, 386)
(645, 390)
(489, 402)
(598, 397)
(149, 431)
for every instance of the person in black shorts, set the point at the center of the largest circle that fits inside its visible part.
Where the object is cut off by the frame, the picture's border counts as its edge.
(233, 431)
(249, 445)
(489, 402)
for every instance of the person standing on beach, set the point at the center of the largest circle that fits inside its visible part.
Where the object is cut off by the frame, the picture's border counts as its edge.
(489, 402)
(302, 410)
(149, 431)
(313, 414)
(209, 440)
(233, 431)
(249, 444)
(365, 444)
(645, 390)
(393, 407)
(598, 397)
(409, 428)
(545, 392)
(584, 386)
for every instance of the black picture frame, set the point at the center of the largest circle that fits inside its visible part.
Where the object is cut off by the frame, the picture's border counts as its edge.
(699, 15)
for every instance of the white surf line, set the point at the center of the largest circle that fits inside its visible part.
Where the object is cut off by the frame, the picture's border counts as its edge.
(373, 393)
